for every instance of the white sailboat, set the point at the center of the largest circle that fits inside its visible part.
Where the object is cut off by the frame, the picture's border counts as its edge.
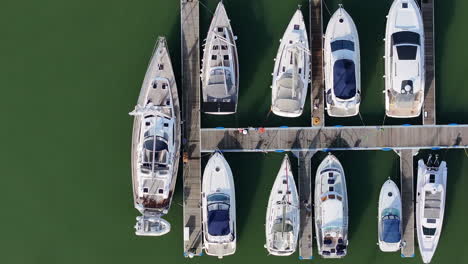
(430, 205)
(404, 60)
(155, 144)
(331, 209)
(282, 219)
(390, 217)
(220, 67)
(292, 70)
(342, 66)
(218, 208)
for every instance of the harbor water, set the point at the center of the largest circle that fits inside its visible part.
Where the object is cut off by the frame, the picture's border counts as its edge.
(71, 72)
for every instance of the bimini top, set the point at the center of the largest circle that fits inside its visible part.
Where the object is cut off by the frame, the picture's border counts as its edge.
(391, 229)
(344, 79)
(218, 222)
(218, 214)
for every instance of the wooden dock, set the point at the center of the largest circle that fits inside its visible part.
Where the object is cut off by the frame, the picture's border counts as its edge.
(305, 199)
(316, 43)
(335, 138)
(407, 198)
(429, 110)
(190, 45)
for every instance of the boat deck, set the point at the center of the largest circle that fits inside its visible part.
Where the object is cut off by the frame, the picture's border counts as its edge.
(429, 110)
(190, 45)
(305, 200)
(316, 43)
(407, 197)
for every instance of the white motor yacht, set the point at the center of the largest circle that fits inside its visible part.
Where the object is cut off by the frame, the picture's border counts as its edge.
(430, 204)
(404, 60)
(390, 217)
(218, 208)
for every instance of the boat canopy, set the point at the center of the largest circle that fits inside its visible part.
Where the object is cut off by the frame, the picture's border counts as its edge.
(342, 45)
(391, 229)
(344, 79)
(406, 37)
(218, 221)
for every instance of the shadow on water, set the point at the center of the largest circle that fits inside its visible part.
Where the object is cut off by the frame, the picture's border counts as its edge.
(448, 72)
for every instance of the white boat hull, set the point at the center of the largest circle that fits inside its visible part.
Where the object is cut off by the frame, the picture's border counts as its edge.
(218, 208)
(342, 65)
(155, 165)
(331, 209)
(220, 67)
(283, 204)
(430, 207)
(389, 207)
(404, 60)
(291, 72)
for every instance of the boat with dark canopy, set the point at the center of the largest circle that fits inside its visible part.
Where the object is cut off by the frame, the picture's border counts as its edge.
(390, 217)
(218, 208)
(342, 66)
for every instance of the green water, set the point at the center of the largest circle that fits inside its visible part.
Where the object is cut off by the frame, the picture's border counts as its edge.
(70, 73)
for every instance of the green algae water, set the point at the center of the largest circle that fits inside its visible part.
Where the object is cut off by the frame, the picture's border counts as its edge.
(70, 73)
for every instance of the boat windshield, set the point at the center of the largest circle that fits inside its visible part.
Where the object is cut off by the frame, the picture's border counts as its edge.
(218, 197)
(407, 52)
(406, 37)
(391, 229)
(344, 79)
(429, 231)
(342, 45)
(218, 219)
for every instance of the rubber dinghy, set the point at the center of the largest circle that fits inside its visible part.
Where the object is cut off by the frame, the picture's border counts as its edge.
(220, 67)
(155, 144)
(331, 209)
(390, 217)
(430, 205)
(218, 208)
(342, 66)
(404, 60)
(282, 219)
(291, 74)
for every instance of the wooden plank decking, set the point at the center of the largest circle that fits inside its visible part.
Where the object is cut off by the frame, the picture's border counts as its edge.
(407, 198)
(335, 138)
(190, 45)
(316, 43)
(305, 198)
(429, 110)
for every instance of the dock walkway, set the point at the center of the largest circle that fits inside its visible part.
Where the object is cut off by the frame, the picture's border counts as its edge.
(334, 138)
(407, 199)
(190, 45)
(305, 199)
(429, 110)
(316, 42)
